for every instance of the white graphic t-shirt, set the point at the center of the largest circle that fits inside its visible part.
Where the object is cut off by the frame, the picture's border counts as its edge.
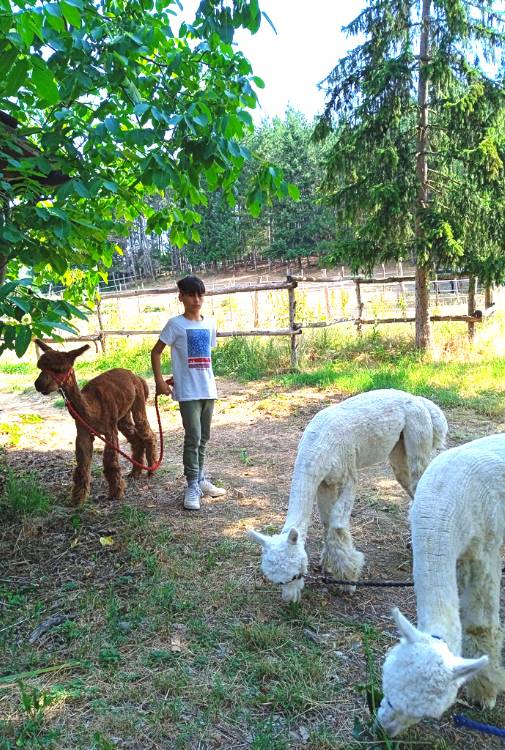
(190, 343)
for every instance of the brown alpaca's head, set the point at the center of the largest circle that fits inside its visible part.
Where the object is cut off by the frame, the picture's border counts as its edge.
(53, 364)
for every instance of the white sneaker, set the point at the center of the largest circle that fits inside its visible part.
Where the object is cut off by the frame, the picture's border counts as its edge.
(207, 488)
(192, 495)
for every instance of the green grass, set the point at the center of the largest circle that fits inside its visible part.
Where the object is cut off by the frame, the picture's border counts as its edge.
(17, 368)
(166, 651)
(459, 374)
(23, 494)
(475, 386)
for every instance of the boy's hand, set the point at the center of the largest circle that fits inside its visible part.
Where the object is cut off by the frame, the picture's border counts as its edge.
(164, 387)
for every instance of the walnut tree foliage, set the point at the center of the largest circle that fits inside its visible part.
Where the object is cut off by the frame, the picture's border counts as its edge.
(103, 104)
(372, 107)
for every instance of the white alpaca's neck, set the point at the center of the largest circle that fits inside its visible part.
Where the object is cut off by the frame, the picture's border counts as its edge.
(313, 460)
(436, 585)
(301, 500)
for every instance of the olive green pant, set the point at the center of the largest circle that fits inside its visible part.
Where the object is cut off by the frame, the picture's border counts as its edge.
(196, 419)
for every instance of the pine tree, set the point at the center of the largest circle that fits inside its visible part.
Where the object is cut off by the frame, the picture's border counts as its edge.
(417, 169)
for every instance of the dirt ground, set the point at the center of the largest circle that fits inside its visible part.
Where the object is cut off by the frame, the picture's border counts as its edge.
(256, 431)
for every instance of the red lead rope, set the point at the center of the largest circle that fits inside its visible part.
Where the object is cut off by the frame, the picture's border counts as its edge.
(93, 432)
(75, 414)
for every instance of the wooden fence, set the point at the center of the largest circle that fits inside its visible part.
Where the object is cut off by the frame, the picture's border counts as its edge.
(294, 329)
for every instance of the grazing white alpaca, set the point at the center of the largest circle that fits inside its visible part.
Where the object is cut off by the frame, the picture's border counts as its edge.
(337, 442)
(458, 524)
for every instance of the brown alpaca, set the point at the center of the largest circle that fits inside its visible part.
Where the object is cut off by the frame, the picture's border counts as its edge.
(114, 400)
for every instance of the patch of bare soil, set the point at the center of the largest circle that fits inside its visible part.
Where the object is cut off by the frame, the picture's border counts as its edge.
(256, 430)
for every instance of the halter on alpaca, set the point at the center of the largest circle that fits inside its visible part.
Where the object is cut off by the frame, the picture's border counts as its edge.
(112, 401)
(341, 439)
(458, 526)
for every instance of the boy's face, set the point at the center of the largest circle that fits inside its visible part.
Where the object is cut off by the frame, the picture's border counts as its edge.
(192, 301)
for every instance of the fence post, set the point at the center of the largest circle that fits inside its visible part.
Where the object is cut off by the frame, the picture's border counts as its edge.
(100, 322)
(255, 309)
(327, 303)
(360, 307)
(292, 322)
(488, 296)
(471, 304)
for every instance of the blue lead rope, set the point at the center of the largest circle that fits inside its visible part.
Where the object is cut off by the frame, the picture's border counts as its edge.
(463, 721)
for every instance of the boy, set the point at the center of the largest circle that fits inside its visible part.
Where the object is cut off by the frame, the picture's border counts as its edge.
(190, 337)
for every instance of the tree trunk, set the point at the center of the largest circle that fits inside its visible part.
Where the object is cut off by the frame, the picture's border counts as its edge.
(4, 259)
(423, 326)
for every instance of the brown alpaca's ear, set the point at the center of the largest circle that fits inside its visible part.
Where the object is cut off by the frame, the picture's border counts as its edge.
(44, 347)
(77, 352)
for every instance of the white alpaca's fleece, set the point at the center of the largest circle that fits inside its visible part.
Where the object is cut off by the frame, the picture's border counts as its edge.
(341, 439)
(458, 525)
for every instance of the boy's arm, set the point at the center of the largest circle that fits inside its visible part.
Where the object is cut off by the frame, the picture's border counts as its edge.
(163, 387)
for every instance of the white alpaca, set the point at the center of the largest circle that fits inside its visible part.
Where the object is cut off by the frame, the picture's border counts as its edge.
(458, 524)
(337, 442)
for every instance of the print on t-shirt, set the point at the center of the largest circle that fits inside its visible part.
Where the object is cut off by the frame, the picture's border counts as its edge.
(198, 348)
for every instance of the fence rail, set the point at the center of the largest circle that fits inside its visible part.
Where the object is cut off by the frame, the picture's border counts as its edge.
(294, 329)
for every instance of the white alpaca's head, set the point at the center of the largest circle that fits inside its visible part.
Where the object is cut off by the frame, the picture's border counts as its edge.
(420, 678)
(284, 561)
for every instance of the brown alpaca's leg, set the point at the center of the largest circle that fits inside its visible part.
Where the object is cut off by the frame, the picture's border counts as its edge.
(112, 470)
(82, 472)
(144, 431)
(127, 427)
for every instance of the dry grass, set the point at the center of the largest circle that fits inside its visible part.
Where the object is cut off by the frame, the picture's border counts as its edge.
(179, 642)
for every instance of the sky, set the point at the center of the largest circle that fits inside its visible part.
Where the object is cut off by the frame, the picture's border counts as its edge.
(291, 62)
(308, 43)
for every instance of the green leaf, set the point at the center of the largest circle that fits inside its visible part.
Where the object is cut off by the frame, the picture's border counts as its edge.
(23, 304)
(54, 18)
(111, 186)
(7, 59)
(25, 28)
(71, 13)
(111, 124)
(81, 189)
(234, 149)
(293, 191)
(141, 108)
(23, 338)
(46, 322)
(7, 288)
(44, 82)
(255, 209)
(201, 119)
(16, 77)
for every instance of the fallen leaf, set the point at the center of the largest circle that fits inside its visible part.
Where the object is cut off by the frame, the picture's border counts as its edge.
(175, 644)
(106, 541)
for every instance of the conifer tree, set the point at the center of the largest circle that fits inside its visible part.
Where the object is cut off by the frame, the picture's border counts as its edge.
(417, 169)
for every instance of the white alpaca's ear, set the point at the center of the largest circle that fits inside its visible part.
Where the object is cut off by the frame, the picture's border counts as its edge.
(262, 539)
(405, 628)
(467, 668)
(293, 535)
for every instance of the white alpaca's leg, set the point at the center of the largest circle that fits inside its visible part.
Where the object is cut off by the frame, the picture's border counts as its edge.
(417, 443)
(399, 464)
(339, 556)
(479, 585)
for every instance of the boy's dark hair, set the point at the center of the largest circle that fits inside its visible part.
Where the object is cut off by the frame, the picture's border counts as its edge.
(191, 285)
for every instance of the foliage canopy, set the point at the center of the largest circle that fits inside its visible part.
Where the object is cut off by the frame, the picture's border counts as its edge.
(102, 104)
